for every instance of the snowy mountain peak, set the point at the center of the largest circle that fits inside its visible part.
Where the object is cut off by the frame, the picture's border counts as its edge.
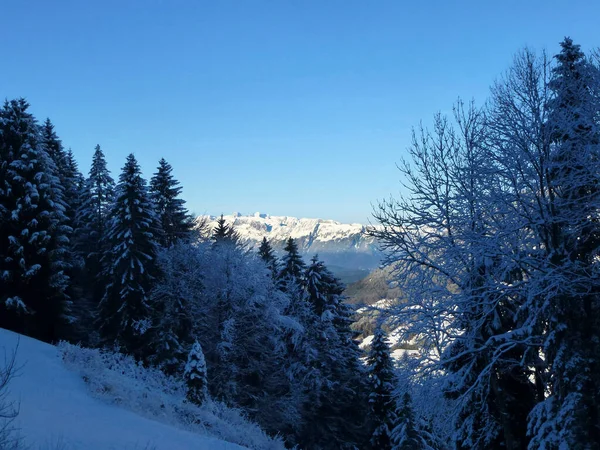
(337, 243)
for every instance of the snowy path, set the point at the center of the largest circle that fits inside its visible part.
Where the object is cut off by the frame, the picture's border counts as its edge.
(56, 408)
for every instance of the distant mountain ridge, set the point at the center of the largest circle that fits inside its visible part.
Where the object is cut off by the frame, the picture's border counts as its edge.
(344, 247)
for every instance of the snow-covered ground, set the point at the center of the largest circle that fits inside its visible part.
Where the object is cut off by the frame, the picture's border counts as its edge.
(57, 411)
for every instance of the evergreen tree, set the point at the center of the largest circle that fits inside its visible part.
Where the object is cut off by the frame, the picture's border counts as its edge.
(91, 240)
(67, 171)
(570, 234)
(381, 399)
(33, 229)
(336, 410)
(172, 306)
(225, 234)
(176, 222)
(125, 314)
(266, 253)
(70, 180)
(195, 375)
(405, 435)
(293, 266)
(74, 185)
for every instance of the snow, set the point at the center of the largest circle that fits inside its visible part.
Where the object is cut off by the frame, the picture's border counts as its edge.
(366, 342)
(55, 407)
(253, 228)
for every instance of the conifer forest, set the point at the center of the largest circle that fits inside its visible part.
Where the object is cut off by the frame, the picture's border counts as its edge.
(493, 245)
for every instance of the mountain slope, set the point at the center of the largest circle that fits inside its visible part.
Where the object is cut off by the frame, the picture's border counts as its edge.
(55, 408)
(343, 245)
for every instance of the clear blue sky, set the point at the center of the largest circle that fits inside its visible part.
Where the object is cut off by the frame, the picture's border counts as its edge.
(289, 107)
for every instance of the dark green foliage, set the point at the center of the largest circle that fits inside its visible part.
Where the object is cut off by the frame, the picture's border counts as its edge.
(175, 220)
(33, 230)
(293, 266)
(382, 403)
(125, 314)
(96, 198)
(337, 404)
(71, 181)
(266, 253)
(224, 234)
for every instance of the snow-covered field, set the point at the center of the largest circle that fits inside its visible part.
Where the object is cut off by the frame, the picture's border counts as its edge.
(57, 411)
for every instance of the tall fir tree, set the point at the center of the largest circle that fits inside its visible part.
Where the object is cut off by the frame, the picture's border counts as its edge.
(125, 314)
(570, 236)
(70, 180)
(382, 402)
(292, 265)
(337, 409)
(68, 174)
(172, 306)
(176, 222)
(266, 253)
(33, 228)
(225, 234)
(91, 238)
(405, 435)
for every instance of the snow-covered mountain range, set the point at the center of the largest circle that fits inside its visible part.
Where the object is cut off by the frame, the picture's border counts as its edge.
(340, 245)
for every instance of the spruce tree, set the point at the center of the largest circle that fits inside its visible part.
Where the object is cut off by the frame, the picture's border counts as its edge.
(337, 410)
(571, 240)
(224, 234)
(381, 399)
(70, 180)
(293, 266)
(91, 238)
(66, 167)
(266, 253)
(33, 230)
(405, 435)
(125, 314)
(172, 303)
(195, 375)
(175, 220)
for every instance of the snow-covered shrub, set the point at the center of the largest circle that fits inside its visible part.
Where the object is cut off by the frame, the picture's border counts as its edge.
(195, 375)
(119, 379)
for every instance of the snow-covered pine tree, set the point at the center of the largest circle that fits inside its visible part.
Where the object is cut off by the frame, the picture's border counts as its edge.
(71, 181)
(570, 235)
(405, 435)
(124, 312)
(382, 402)
(194, 375)
(339, 412)
(292, 265)
(266, 253)
(176, 222)
(67, 172)
(91, 238)
(33, 229)
(172, 300)
(235, 311)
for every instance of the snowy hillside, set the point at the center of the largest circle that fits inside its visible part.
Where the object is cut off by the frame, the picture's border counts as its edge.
(58, 411)
(339, 244)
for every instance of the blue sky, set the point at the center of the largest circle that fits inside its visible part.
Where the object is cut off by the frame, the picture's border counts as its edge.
(289, 107)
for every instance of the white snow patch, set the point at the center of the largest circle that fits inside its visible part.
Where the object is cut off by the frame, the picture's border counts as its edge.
(55, 406)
